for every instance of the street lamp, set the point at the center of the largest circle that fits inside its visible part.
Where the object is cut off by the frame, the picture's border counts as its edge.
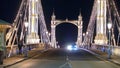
(48, 35)
(83, 37)
(26, 25)
(25, 49)
(109, 49)
(49, 38)
(57, 44)
(46, 32)
(86, 35)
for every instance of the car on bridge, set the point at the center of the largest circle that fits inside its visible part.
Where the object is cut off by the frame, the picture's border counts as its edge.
(72, 47)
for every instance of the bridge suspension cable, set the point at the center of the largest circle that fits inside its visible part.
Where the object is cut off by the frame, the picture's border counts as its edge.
(13, 33)
(17, 33)
(91, 26)
(115, 20)
(112, 16)
(43, 29)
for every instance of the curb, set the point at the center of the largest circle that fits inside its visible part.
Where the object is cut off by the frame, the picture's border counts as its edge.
(102, 58)
(97, 55)
(4, 66)
(15, 62)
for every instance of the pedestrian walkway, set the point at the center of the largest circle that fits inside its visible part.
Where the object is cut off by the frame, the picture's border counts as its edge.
(19, 58)
(114, 59)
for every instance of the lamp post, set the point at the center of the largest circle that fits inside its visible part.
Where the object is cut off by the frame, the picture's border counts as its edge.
(83, 35)
(26, 26)
(57, 44)
(49, 39)
(83, 38)
(86, 40)
(46, 32)
(109, 44)
(46, 45)
(25, 49)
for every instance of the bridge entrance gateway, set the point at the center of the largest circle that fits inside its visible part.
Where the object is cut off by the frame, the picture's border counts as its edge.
(55, 22)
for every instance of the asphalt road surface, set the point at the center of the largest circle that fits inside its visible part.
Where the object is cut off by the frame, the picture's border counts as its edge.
(62, 58)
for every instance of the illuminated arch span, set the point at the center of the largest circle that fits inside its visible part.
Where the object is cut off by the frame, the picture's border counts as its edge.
(55, 22)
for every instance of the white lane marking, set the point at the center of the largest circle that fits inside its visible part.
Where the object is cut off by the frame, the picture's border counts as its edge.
(67, 64)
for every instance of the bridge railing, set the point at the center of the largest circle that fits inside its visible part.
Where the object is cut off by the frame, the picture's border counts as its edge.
(15, 49)
(104, 48)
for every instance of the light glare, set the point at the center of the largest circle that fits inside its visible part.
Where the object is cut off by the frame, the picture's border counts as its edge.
(69, 47)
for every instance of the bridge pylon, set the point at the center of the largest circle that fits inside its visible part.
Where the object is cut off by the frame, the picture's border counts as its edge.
(32, 36)
(101, 37)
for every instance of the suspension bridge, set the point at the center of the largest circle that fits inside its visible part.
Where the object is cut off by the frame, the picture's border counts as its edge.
(29, 27)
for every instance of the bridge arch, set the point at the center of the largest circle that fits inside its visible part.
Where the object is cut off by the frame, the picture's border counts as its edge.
(55, 22)
(74, 22)
(66, 33)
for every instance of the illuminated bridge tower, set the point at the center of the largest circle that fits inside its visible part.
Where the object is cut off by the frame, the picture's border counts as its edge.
(101, 23)
(80, 28)
(32, 36)
(53, 39)
(55, 22)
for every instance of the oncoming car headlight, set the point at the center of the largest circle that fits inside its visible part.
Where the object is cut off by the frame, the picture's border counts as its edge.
(69, 47)
(72, 47)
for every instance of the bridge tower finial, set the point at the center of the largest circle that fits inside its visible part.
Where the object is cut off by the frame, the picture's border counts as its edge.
(80, 16)
(53, 15)
(66, 20)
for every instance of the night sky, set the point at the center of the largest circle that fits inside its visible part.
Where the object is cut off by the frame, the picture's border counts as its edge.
(65, 33)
